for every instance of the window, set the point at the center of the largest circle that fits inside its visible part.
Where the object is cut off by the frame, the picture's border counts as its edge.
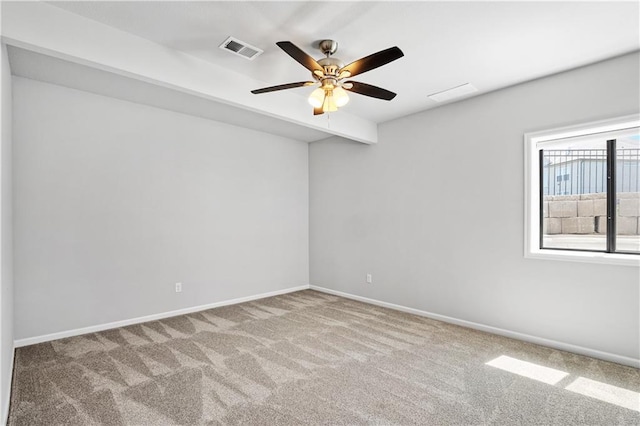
(583, 192)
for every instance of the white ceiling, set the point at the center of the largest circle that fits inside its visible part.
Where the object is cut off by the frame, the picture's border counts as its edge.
(488, 44)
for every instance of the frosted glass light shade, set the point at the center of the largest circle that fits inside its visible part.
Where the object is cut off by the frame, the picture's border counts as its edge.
(340, 96)
(329, 104)
(316, 98)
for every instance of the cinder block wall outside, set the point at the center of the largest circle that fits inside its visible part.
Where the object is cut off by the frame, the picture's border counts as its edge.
(587, 213)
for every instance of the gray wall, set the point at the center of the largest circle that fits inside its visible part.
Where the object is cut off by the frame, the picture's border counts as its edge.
(400, 210)
(6, 245)
(115, 202)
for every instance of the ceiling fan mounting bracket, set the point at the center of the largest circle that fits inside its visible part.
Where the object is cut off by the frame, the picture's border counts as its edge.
(328, 47)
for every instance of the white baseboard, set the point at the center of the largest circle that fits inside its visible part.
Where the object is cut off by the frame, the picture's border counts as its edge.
(494, 330)
(489, 329)
(101, 327)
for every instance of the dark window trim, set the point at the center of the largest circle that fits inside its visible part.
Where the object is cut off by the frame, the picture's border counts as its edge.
(611, 196)
(541, 197)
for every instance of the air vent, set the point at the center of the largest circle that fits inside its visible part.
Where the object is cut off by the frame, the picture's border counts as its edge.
(240, 48)
(453, 93)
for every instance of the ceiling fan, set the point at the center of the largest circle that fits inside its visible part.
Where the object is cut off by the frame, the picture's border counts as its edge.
(330, 72)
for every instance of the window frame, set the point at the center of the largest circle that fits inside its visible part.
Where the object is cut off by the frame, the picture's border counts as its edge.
(532, 211)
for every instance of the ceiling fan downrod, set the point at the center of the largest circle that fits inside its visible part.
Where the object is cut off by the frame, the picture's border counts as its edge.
(330, 65)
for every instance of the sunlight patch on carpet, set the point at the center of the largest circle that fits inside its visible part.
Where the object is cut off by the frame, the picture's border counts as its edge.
(533, 371)
(607, 393)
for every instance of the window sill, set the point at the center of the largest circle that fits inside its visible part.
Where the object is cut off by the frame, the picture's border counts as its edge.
(585, 257)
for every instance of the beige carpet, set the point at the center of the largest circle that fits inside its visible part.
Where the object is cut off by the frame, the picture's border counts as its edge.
(307, 358)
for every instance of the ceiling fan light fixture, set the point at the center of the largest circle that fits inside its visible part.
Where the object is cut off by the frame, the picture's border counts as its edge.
(316, 98)
(329, 104)
(340, 96)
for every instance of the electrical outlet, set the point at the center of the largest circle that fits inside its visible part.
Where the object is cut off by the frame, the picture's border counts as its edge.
(178, 287)
(369, 278)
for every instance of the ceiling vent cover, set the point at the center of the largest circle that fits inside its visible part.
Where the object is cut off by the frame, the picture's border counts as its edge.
(240, 48)
(454, 92)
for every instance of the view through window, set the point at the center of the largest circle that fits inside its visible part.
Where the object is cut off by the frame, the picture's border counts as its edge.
(590, 192)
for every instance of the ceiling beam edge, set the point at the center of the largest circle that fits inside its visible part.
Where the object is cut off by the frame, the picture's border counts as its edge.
(52, 31)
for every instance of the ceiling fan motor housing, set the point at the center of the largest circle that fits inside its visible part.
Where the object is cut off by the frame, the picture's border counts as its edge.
(330, 66)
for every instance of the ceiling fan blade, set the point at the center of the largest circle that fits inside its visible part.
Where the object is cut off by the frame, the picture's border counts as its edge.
(369, 90)
(296, 53)
(318, 111)
(373, 61)
(282, 87)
